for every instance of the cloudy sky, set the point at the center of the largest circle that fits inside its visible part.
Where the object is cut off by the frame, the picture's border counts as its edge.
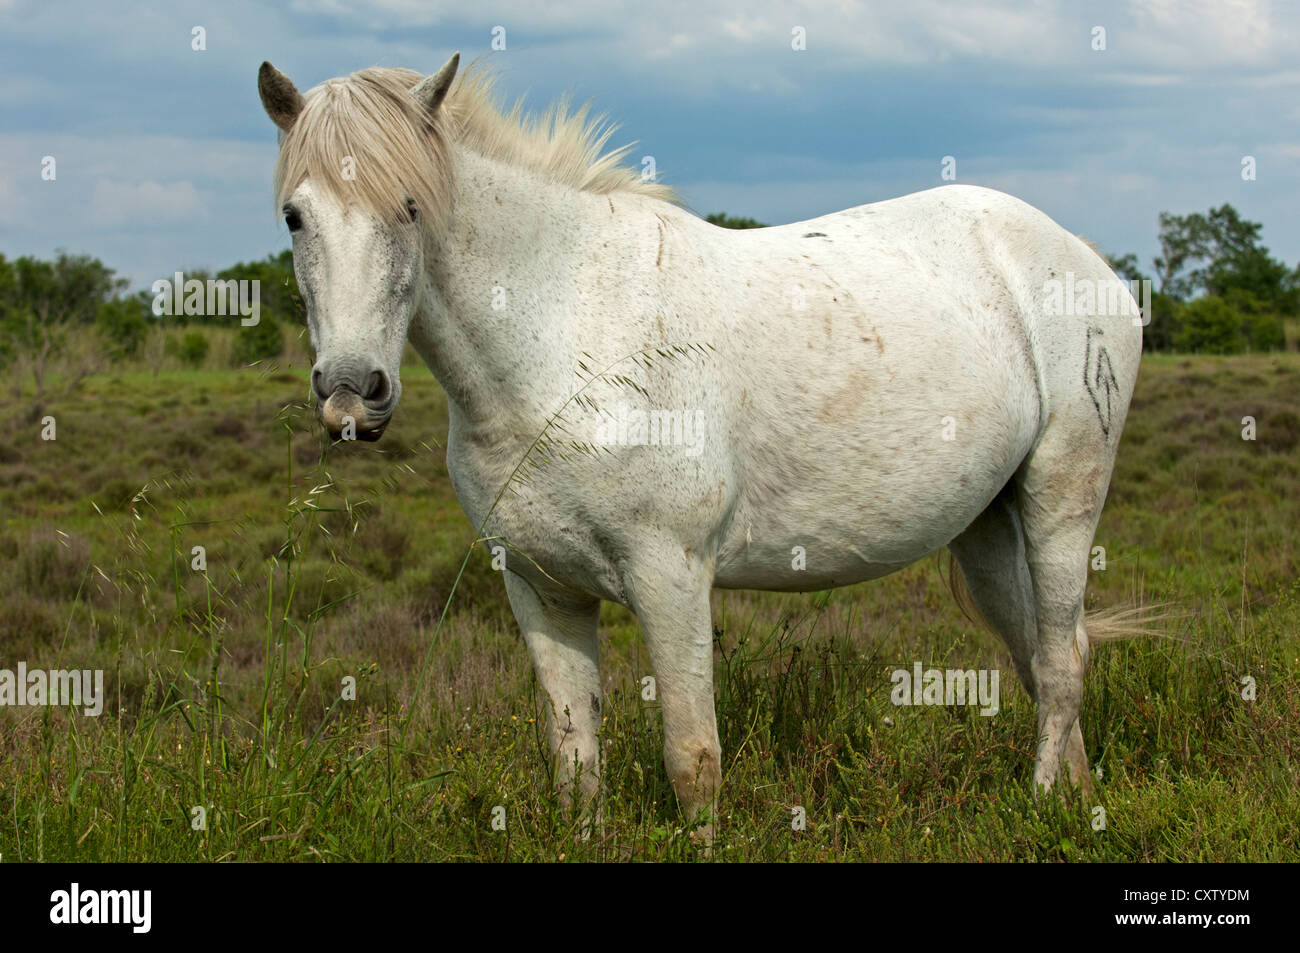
(164, 156)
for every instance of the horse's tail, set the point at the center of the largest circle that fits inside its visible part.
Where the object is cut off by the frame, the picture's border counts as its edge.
(1128, 622)
(1107, 625)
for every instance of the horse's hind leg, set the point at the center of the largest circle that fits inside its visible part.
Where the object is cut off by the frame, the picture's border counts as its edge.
(995, 564)
(1060, 491)
(562, 637)
(991, 554)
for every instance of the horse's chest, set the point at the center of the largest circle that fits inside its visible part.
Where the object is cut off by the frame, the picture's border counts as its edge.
(538, 522)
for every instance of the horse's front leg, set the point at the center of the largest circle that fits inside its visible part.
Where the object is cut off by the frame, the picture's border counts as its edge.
(673, 607)
(561, 632)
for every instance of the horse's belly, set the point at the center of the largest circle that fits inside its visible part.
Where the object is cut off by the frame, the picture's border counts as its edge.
(783, 552)
(873, 441)
(789, 571)
(863, 497)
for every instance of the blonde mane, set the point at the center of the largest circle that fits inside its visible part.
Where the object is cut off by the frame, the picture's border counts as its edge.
(366, 140)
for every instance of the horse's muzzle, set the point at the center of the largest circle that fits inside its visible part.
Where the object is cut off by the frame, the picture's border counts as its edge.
(346, 416)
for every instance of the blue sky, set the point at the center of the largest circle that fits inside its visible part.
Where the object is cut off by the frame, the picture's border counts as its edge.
(164, 155)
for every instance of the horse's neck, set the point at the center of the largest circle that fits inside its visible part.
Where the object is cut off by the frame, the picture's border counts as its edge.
(493, 327)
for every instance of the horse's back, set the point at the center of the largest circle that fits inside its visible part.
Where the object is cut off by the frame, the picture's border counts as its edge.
(968, 288)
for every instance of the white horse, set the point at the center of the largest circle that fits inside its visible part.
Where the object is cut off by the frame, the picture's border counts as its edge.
(843, 396)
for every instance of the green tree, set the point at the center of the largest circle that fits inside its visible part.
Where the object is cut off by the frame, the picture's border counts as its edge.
(1126, 266)
(1177, 236)
(726, 221)
(259, 341)
(124, 323)
(43, 302)
(1254, 273)
(1261, 324)
(193, 348)
(277, 286)
(1217, 252)
(178, 317)
(1211, 326)
(1166, 322)
(8, 301)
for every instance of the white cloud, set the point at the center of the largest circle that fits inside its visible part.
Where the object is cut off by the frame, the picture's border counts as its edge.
(1202, 33)
(1146, 34)
(145, 205)
(1156, 122)
(115, 204)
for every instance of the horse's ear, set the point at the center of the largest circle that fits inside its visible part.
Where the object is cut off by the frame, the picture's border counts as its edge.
(431, 90)
(280, 98)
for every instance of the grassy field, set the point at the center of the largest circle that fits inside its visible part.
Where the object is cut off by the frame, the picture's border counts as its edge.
(323, 563)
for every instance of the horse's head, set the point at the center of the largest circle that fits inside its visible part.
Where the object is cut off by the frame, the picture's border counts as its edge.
(362, 168)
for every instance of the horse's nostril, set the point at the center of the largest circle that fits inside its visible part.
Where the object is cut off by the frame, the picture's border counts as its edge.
(318, 385)
(377, 387)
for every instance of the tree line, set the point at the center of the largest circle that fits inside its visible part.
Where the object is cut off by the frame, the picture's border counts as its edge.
(43, 304)
(1216, 287)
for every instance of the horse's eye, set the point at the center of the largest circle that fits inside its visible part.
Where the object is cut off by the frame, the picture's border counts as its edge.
(293, 220)
(411, 211)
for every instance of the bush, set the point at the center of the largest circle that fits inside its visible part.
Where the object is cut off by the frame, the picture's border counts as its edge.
(1165, 324)
(258, 342)
(1260, 321)
(730, 221)
(1211, 326)
(1264, 332)
(193, 348)
(124, 322)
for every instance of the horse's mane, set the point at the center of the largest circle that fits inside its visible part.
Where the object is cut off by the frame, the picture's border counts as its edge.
(365, 139)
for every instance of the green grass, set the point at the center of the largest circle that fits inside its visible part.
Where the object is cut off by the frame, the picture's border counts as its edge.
(324, 563)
